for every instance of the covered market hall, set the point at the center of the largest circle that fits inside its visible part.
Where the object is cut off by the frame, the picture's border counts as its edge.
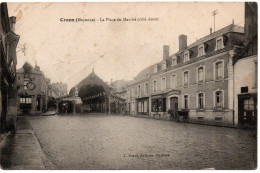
(95, 95)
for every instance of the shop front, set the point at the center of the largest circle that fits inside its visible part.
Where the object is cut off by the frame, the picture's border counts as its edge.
(247, 109)
(159, 106)
(143, 106)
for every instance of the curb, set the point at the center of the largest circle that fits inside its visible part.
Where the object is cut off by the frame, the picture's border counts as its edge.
(47, 163)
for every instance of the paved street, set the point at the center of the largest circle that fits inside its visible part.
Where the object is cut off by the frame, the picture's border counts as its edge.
(122, 142)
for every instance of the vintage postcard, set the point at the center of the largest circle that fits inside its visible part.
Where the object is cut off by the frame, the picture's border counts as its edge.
(128, 85)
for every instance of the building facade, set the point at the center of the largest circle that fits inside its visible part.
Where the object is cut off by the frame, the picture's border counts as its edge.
(198, 79)
(34, 90)
(60, 89)
(8, 62)
(245, 72)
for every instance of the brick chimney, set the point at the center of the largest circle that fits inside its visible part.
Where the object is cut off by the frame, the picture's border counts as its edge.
(166, 52)
(12, 23)
(182, 42)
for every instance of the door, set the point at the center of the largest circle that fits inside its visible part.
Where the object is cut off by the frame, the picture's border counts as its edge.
(174, 103)
(247, 111)
(38, 103)
(129, 108)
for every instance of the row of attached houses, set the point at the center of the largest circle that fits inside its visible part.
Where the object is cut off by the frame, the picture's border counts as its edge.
(199, 78)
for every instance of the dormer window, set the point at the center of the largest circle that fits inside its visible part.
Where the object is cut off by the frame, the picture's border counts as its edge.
(201, 50)
(219, 43)
(155, 68)
(186, 56)
(174, 61)
(164, 65)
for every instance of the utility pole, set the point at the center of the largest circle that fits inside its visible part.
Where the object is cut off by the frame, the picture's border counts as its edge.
(214, 13)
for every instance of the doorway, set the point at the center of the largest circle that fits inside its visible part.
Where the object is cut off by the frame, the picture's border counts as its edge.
(174, 103)
(247, 110)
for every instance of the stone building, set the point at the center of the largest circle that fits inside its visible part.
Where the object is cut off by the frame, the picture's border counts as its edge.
(245, 72)
(61, 89)
(34, 91)
(8, 62)
(198, 78)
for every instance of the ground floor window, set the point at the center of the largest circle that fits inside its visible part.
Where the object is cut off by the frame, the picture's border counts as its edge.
(159, 105)
(219, 99)
(142, 106)
(186, 106)
(25, 102)
(200, 100)
(133, 106)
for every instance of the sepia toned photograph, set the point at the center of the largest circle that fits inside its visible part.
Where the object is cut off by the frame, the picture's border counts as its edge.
(128, 85)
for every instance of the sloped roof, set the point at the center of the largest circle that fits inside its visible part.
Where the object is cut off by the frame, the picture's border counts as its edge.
(229, 28)
(33, 70)
(119, 85)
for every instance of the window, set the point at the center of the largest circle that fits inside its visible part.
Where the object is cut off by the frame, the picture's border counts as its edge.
(163, 84)
(140, 107)
(249, 104)
(186, 78)
(200, 100)
(145, 107)
(219, 99)
(186, 57)
(159, 105)
(201, 50)
(164, 65)
(200, 74)
(219, 43)
(174, 81)
(154, 86)
(219, 70)
(186, 102)
(133, 106)
(174, 61)
(146, 88)
(133, 92)
(155, 105)
(139, 91)
(26, 80)
(25, 102)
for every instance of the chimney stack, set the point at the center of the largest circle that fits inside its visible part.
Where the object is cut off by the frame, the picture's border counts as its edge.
(182, 42)
(37, 68)
(12, 23)
(210, 30)
(166, 52)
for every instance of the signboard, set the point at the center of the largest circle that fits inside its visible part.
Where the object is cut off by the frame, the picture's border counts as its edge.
(175, 92)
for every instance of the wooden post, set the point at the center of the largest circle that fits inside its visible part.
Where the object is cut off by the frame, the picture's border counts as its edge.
(105, 105)
(74, 107)
(57, 108)
(109, 104)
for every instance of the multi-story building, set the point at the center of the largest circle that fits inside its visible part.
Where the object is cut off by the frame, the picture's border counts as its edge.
(61, 89)
(245, 72)
(138, 93)
(34, 90)
(197, 78)
(8, 62)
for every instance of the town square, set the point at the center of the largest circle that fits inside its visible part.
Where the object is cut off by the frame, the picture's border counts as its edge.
(129, 86)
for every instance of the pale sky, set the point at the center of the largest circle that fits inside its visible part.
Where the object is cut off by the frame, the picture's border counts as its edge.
(67, 51)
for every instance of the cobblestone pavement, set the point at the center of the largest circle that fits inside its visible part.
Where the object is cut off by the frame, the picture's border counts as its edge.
(124, 142)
